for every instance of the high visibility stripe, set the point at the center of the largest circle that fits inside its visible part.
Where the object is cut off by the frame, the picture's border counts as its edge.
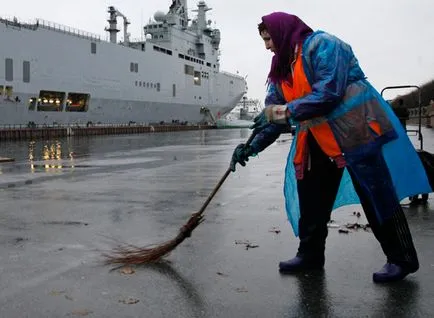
(300, 151)
(322, 132)
(326, 140)
(375, 126)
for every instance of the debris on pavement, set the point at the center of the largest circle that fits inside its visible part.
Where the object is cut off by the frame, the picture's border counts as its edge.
(129, 301)
(356, 213)
(241, 290)
(246, 243)
(333, 224)
(222, 274)
(81, 312)
(274, 229)
(127, 270)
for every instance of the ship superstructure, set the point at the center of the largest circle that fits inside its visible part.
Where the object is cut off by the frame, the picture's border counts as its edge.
(51, 73)
(246, 109)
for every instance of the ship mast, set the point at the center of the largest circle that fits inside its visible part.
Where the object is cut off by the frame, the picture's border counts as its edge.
(179, 8)
(113, 28)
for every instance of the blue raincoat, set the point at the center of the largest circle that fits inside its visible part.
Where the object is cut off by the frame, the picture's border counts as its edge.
(330, 67)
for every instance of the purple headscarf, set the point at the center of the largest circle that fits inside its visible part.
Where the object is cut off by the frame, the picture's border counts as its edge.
(286, 31)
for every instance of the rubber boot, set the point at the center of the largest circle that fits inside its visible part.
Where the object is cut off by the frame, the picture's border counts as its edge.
(391, 273)
(301, 263)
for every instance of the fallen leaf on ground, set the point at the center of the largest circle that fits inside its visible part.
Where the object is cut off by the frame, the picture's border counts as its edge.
(57, 292)
(251, 246)
(222, 274)
(246, 243)
(356, 226)
(81, 312)
(241, 290)
(127, 270)
(129, 301)
(274, 230)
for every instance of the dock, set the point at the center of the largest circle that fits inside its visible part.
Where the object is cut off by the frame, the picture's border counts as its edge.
(15, 133)
(6, 159)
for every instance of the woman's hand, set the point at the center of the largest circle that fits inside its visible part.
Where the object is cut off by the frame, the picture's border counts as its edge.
(272, 114)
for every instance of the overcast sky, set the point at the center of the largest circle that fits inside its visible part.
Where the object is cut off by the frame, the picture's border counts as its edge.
(393, 39)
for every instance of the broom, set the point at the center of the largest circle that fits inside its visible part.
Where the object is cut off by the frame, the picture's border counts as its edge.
(128, 254)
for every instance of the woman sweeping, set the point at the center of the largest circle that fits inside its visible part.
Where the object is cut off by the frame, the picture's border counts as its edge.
(349, 146)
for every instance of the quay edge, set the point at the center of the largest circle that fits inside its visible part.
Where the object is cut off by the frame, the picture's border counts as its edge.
(24, 133)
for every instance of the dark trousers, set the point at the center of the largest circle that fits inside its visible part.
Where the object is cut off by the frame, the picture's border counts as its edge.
(317, 193)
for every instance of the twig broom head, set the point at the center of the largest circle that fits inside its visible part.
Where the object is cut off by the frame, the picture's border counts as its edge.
(127, 254)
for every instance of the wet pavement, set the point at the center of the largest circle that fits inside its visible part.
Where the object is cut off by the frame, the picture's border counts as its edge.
(65, 202)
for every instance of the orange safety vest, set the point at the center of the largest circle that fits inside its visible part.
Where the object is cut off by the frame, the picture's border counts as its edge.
(320, 131)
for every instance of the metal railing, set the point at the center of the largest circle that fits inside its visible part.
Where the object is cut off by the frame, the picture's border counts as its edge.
(91, 125)
(49, 25)
(68, 30)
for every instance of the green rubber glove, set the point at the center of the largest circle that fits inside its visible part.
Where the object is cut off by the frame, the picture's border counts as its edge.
(241, 155)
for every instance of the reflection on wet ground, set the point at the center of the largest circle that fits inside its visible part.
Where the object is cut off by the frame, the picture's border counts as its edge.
(65, 201)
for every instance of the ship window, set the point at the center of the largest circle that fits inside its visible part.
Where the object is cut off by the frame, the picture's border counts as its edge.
(26, 72)
(189, 70)
(50, 101)
(9, 76)
(197, 78)
(158, 87)
(181, 56)
(131, 67)
(77, 102)
(32, 103)
(93, 47)
(147, 85)
(208, 64)
(136, 67)
(9, 90)
(174, 90)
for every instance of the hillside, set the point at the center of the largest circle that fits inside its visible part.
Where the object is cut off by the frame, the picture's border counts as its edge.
(411, 99)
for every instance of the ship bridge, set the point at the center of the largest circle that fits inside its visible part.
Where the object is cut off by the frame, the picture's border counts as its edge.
(175, 29)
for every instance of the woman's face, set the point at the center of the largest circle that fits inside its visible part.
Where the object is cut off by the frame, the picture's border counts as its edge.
(269, 45)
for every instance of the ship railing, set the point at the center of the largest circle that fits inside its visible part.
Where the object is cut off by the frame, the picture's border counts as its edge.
(84, 125)
(49, 25)
(68, 30)
(13, 22)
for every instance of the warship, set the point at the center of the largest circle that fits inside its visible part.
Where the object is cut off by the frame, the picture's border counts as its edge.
(51, 74)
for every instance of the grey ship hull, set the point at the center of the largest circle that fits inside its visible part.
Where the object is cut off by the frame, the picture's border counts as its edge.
(143, 82)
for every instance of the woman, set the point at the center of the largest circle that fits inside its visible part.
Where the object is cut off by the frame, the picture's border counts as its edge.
(348, 146)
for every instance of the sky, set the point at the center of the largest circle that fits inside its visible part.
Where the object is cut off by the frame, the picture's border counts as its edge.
(392, 39)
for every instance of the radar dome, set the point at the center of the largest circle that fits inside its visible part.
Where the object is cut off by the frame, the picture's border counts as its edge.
(159, 16)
